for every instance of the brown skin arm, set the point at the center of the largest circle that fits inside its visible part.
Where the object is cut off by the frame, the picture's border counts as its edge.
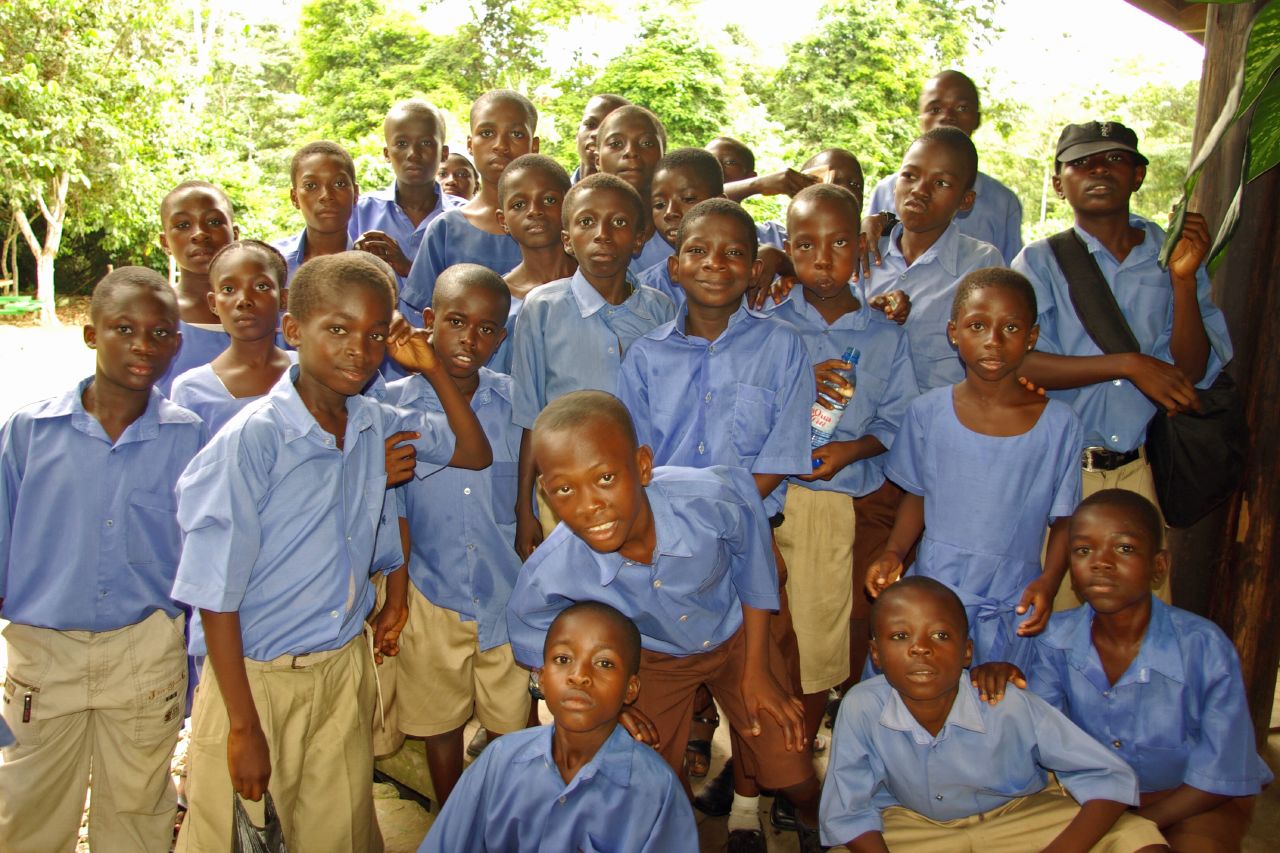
(528, 529)
(760, 690)
(869, 842)
(1092, 822)
(1184, 802)
(766, 483)
(907, 527)
(1039, 594)
(1163, 383)
(394, 615)
(248, 756)
(1189, 344)
(835, 456)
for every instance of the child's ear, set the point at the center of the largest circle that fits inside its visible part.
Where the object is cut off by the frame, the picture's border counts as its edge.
(633, 690)
(1033, 337)
(289, 327)
(386, 153)
(1159, 568)
(90, 336)
(212, 302)
(500, 337)
(1139, 175)
(967, 201)
(757, 266)
(235, 231)
(164, 242)
(293, 197)
(875, 653)
(444, 155)
(644, 463)
(469, 151)
(673, 264)
(968, 652)
(568, 244)
(951, 332)
(533, 146)
(1057, 184)
(502, 218)
(428, 318)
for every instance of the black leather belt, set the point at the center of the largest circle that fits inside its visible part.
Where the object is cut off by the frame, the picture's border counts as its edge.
(1102, 459)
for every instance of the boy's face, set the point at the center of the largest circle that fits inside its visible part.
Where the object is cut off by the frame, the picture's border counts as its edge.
(135, 335)
(1100, 183)
(592, 115)
(456, 178)
(594, 479)
(841, 170)
(530, 211)
(325, 192)
(603, 232)
(467, 325)
(674, 192)
(822, 241)
(245, 296)
(499, 134)
(584, 673)
(630, 148)
(196, 223)
(993, 332)
(949, 101)
(921, 646)
(930, 189)
(342, 343)
(731, 162)
(1114, 562)
(415, 145)
(714, 264)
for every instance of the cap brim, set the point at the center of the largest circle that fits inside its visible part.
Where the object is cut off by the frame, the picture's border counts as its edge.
(1086, 149)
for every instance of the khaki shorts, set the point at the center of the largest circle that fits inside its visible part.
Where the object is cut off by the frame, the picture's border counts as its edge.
(816, 540)
(444, 679)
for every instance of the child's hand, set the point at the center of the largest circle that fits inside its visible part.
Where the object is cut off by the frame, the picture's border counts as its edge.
(895, 304)
(869, 243)
(387, 625)
(639, 726)
(413, 350)
(1163, 383)
(528, 534)
(831, 383)
(830, 459)
(249, 760)
(1031, 386)
(400, 457)
(1038, 596)
(760, 692)
(886, 569)
(384, 246)
(991, 678)
(786, 182)
(777, 289)
(1191, 249)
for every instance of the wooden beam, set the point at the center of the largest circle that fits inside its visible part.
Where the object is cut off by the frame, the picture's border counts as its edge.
(1181, 15)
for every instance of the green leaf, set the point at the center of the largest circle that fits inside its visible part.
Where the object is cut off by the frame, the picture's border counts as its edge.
(1262, 55)
(1264, 131)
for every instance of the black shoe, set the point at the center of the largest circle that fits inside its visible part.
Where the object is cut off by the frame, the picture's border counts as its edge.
(746, 841)
(478, 742)
(782, 814)
(717, 795)
(810, 842)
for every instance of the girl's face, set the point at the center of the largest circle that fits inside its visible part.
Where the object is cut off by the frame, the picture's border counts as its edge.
(245, 295)
(993, 331)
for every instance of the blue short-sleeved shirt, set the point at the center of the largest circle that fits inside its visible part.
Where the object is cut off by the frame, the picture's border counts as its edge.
(450, 239)
(1116, 413)
(885, 382)
(463, 522)
(513, 799)
(379, 211)
(294, 250)
(201, 391)
(987, 502)
(659, 278)
(568, 338)
(1178, 715)
(771, 234)
(284, 528)
(995, 218)
(655, 249)
(931, 282)
(743, 399)
(201, 344)
(714, 553)
(984, 756)
(88, 536)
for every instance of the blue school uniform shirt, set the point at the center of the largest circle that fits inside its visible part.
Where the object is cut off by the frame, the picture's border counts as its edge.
(449, 240)
(500, 361)
(201, 391)
(1116, 413)
(987, 502)
(88, 537)
(885, 383)
(743, 399)
(1178, 714)
(568, 338)
(513, 799)
(714, 553)
(931, 282)
(983, 757)
(284, 528)
(201, 344)
(659, 278)
(463, 523)
(771, 234)
(655, 249)
(995, 218)
(294, 250)
(379, 211)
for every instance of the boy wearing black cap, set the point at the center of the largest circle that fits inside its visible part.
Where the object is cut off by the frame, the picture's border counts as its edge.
(1182, 335)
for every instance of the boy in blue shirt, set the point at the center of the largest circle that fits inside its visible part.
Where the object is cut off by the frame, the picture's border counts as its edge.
(284, 519)
(687, 554)
(631, 141)
(323, 187)
(457, 176)
(918, 762)
(504, 124)
(738, 163)
(582, 783)
(1158, 685)
(454, 656)
(97, 673)
(593, 112)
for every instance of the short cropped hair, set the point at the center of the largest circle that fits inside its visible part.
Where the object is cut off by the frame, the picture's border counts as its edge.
(533, 163)
(1143, 510)
(959, 143)
(508, 96)
(828, 154)
(834, 193)
(918, 586)
(204, 185)
(953, 74)
(1001, 277)
(600, 181)
(463, 277)
(125, 278)
(626, 627)
(745, 154)
(700, 163)
(275, 261)
(323, 146)
(629, 110)
(421, 108)
(721, 207)
(319, 278)
(578, 410)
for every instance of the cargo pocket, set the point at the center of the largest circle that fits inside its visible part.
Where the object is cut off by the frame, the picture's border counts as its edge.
(158, 708)
(22, 711)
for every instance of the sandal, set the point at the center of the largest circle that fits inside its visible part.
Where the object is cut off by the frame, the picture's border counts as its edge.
(697, 758)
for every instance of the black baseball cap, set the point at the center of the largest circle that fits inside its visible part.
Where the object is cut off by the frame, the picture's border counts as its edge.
(1082, 140)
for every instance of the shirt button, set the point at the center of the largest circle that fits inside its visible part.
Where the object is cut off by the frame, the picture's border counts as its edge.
(334, 614)
(937, 797)
(706, 644)
(110, 523)
(1115, 439)
(657, 584)
(684, 617)
(470, 546)
(467, 490)
(1115, 382)
(1117, 744)
(348, 538)
(708, 397)
(562, 801)
(702, 448)
(610, 349)
(711, 348)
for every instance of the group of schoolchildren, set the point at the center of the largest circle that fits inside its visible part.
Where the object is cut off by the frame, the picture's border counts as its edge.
(528, 436)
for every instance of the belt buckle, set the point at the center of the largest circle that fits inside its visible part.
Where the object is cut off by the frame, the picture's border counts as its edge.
(1086, 458)
(293, 662)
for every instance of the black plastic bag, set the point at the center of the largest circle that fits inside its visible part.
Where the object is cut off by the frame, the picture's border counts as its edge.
(246, 837)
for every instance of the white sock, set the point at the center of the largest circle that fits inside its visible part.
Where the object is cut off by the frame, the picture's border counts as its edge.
(744, 813)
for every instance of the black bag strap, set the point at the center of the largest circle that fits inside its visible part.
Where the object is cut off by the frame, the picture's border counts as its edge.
(1091, 296)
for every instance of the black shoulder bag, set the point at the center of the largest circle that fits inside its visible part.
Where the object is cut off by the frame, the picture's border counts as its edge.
(1197, 458)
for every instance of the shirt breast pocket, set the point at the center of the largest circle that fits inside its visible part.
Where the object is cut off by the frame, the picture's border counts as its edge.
(503, 477)
(152, 534)
(752, 418)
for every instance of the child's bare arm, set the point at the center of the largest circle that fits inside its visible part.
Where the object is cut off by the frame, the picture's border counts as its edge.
(248, 756)
(833, 457)
(1039, 594)
(786, 182)
(394, 614)
(1184, 802)
(1164, 384)
(384, 246)
(414, 351)
(400, 457)
(872, 230)
(1092, 822)
(766, 483)
(907, 527)
(528, 530)
(869, 842)
(760, 691)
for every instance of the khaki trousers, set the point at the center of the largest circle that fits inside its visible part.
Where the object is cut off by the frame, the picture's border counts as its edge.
(82, 704)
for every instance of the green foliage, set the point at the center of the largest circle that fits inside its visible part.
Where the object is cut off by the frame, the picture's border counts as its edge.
(501, 46)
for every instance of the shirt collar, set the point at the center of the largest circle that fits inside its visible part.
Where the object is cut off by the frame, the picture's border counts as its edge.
(1158, 652)
(946, 250)
(965, 713)
(669, 541)
(676, 327)
(418, 388)
(1148, 248)
(855, 320)
(297, 253)
(612, 760)
(158, 411)
(590, 301)
(297, 421)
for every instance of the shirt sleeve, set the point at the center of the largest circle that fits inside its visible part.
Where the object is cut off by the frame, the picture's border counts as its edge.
(1223, 759)
(1083, 766)
(1031, 263)
(633, 391)
(786, 449)
(1011, 242)
(460, 824)
(905, 463)
(899, 391)
(753, 568)
(531, 608)
(1046, 672)
(881, 197)
(12, 456)
(528, 366)
(856, 788)
(1067, 495)
(674, 828)
(435, 443)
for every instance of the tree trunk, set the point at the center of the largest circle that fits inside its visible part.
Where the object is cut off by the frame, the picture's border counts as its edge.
(54, 215)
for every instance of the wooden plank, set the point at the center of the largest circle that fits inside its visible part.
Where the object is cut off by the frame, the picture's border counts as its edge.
(1185, 16)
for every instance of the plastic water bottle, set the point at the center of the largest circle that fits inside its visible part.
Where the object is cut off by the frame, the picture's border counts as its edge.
(823, 421)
